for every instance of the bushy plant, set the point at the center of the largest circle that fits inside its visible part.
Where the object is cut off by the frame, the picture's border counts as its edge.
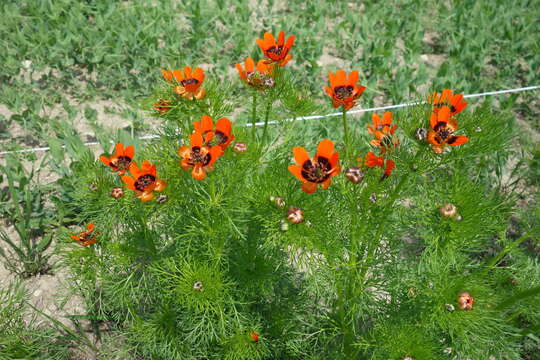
(229, 240)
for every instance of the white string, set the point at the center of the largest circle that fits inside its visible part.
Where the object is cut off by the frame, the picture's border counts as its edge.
(313, 117)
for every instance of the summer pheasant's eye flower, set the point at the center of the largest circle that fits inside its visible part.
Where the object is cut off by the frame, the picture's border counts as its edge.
(343, 89)
(383, 131)
(373, 160)
(277, 53)
(86, 237)
(259, 77)
(319, 170)
(189, 82)
(220, 135)
(121, 159)
(144, 181)
(454, 101)
(199, 157)
(443, 126)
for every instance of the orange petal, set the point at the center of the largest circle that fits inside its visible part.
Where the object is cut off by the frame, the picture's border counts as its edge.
(457, 140)
(332, 79)
(198, 172)
(334, 162)
(241, 71)
(261, 44)
(105, 160)
(443, 114)
(184, 152)
(130, 151)
(187, 72)
(353, 78)
(325, 149)
(196, 139)
(224, 125)
(148, 168)
(309, 188)
(90, 227)
(198, 74)
(215, 152)
(341, 77)
(433, 120)
(134, 169)
(281, 38)
(269, 40)
(206, 124)
(326, 183)
(129, 181)
(250, 65)
(119, 149)
(300, 155)
(290, 41)
(160, 185)
(387, 118)
(167, 75)
(376, 119)
(297, 171)
(75, 237)
(178, 75)
(146, 196)
(184, 164)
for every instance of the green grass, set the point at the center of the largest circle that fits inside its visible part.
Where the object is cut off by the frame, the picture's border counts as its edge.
(113, 49)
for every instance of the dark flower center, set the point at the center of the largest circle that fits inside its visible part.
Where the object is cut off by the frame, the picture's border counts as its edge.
(316, 172)
(144, 181)
(275, 50)
(452, 107)
(198, 157)
(387, 140)
(189, 81)
(221, 138)
(343, 92)
(121, 163)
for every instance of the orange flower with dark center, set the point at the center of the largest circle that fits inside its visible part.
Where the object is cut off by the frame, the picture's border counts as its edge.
(276, 52)
(259, 77)
(199, 157)
(220, 135)
(443, 126)
(447, 98)
(383, 131)
(189, 82)
(86, 237)
(343, 90)
(144, 181)
(319, 170)
(162, 106)
(373, 160)
(120, 160)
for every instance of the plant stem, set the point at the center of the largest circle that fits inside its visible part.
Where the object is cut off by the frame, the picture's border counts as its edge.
(346, 132)
(266, 116)
(254, 116)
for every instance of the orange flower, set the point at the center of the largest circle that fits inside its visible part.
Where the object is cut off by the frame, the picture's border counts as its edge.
(220, 135)
(162, 106)
(199, 156)
(144, 180)
(320, 170)
(447, 98)
(443, 126)
(383, 131)
(189, 82)
(121, 160)
(276, 52)
(373, 160)
(343, 90)
(259, 77)
(86, 237)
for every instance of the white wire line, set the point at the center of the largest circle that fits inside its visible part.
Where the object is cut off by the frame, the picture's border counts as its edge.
(313, 117)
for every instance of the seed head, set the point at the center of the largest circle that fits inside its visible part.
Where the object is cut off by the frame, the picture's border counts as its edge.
(117, 192)
(279, 201)
(162, 199)
(448, 210)
(198, 286)
(421, 134)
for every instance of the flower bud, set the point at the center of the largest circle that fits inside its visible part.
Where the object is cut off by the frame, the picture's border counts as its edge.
(373, 198)
(295, 215)
(421, 134)
(162, 199)
(448, 210)
(93, 187)
(279, 201)
(354, 174)
(449, 307)
(254, 336)
(198, 286)
(240, 147)
(117, 192)
(465, 301)
(283, 226)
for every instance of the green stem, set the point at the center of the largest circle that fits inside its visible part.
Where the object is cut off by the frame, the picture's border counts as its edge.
(266, 116)
(346, 132)
(254, 116)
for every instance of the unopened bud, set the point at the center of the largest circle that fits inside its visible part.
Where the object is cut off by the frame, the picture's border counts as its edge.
(465, 301)
(448, 350)
(373, 198)
(279, 201)
(448, 210)
(421, 134)
(240, 147)
(93, 187)
(295, 215)
(283, 226)
(198, 286)
(117, 192)
(449, 307)
(162, 199)
(354, 174)
(254, 336)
